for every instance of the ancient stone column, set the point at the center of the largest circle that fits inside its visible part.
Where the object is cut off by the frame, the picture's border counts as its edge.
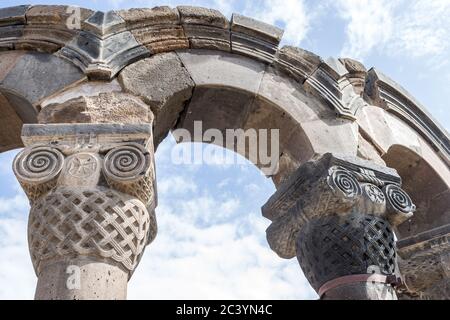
(92, 195)
(425, 264)
(336, 215)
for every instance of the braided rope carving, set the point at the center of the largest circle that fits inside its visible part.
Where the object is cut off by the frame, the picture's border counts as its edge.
(99, 222)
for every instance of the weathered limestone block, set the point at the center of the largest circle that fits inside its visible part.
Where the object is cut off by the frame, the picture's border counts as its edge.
(368, 151)
(159, 29)
(13, 15)
(84, 89)
(338, 136)
(385, 93)
(12, 21)
(53, 15)
(357, 74)
(386, 130)
(216, 108)
(103, 47)
(10, 122)
(301, 119)
(295, 100)
(48, 28)
(254, 38)
(38, 75)
(12, 24)
(92, 195)
(8, 60)
(286, 166)
(427, 179)
(205, 28)
(336, 215)
(296, 62)
(226, 86)
(425, 264)
(105, 108)
(221, 69)
(331, 83)
(164, 84)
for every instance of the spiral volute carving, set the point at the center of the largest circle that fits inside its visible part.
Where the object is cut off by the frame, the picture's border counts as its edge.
(342, 181)
(38, 164)
(126, 163)
(398, 200)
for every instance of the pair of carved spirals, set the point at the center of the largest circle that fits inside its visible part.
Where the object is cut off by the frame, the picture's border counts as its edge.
(43, 163)
(347, 184)
(126, 163)
(38, 164)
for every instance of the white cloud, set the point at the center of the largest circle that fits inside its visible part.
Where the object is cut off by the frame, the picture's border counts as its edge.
(291, 14)
(14, 204)
(215, 263)
(397, 28)
(17, 277)
(176, 185)
(423, 29)
(370, 23)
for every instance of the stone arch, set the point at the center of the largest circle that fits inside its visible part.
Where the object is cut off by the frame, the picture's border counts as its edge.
(119, 71)
(26, 78)
(428, 188)
(227, 91)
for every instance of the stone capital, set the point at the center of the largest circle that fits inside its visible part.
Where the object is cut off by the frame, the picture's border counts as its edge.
(92, 192)
(333, 186)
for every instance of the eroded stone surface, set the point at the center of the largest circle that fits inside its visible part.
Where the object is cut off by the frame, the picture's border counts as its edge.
(158, 29)
(56, 15)
(34, 76)
(203, 16)
(205, 28)
(13, 15)
(335, 214)
(164, 84)
(212, 68)
(103, 108)
(92, 199)
(8, 60)
(10, 123)
(297, 62)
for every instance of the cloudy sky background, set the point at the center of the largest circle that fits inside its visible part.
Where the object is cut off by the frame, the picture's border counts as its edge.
(211, 241)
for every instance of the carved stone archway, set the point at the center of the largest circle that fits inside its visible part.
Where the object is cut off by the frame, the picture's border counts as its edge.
(95, 101)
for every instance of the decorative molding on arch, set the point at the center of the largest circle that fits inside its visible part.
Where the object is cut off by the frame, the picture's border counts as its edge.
(389, 95)
(106, 42)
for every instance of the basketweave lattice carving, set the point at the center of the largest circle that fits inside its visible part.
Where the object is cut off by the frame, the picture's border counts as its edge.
(336, 215)
(99, 222)
(332, 247)
(91, 189)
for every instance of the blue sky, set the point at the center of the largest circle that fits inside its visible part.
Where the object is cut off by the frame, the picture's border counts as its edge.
(211, 241)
